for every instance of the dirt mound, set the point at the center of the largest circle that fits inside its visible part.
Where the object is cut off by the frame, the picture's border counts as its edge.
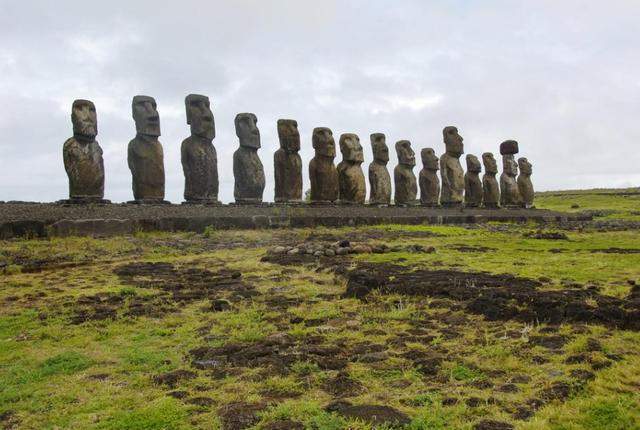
(616, 251)
(497, 297)
(492, 425)
(374, 414)
(239, 416)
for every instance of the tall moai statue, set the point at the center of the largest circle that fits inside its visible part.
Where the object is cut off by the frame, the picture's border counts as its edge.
(429, 181)
(145, 156)
(379, 178)
(403, 176)
(83, 156)
(509, 194)
(472, 182)
(490, 187)
(525, 186)
(352, 188)
(247, 167)
(287, 163)
(198, 155)
(451, 169)
(322, 172)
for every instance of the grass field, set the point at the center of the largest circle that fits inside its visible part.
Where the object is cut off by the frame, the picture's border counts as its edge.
(495, 326)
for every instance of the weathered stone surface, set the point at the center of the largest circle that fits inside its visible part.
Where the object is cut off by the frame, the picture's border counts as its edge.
(429, 181)
(198, 155)
(287, 163)
(472, 182)
(247, 167)
(525, 186)
(92, 227)
(509, 194)
(490, 187)
(145, 155)
(83, 156)
(403, 176)
(509, 147)
(379, 178)
(451, 170)
(322, 172)
(352, 188)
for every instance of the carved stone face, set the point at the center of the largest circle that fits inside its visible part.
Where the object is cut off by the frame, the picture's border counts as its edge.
(525, 166)
(145, 114)
(84, 120)
(453, 141)
(380, 148)
(289, 135)
(490, 164)
(323, 142)
(406, 155)
(350, 148)
(509, 165)
(199, 116)
(429, 159)
(247, 130)
(473, 164)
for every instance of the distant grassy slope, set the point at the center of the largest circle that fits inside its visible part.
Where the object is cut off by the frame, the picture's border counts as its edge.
(623, 203)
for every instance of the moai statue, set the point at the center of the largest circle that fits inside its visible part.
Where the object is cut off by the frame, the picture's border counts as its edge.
(379, 178)
(199, 158)
(352, 188)
(509, 194)
(83, 156)
(145, 155)
(322, 172)
(472, 182)
(429, 181)
(403, 176)
(451, 170)
(247, 167)
(287, 163)
(525, 186)
(490, 188)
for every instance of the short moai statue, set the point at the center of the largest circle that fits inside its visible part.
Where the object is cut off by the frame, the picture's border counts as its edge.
(323, 174)
(379, 178)
(145, 156)
(83, 156)
(248, 171)
(429, 181)
(451, 169)
(490, 187)
(509, 194)
(403, 176)
(525, 186)
(472, 182)
(351, 182)
(287, 163)
(198, 155)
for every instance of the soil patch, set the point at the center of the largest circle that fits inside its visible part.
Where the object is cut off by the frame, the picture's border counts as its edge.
(497, 297)
(616, 251)
(492, 425)
(239, 416)
(373, 414)
(470, 248)
(343, 386)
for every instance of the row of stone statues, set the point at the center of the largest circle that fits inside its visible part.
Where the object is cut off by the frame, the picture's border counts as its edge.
(344, 183)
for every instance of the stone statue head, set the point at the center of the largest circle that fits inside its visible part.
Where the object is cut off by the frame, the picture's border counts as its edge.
(84, 120)
(247, 130)
(490, 164)
(473, 164)
(350, 148)
(453, 141)
(406, 156)
(379, 147)
(289, 135)
(429, 159)
(323, 142)
(525, 166)
(509, 165)
(145, 114)
(199, 116)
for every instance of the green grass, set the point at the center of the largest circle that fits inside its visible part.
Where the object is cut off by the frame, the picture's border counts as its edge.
(102, 374)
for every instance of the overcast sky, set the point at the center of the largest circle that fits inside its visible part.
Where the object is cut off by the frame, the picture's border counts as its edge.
(561, 77)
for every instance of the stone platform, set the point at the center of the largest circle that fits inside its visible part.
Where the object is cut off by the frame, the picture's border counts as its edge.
(23, 219)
